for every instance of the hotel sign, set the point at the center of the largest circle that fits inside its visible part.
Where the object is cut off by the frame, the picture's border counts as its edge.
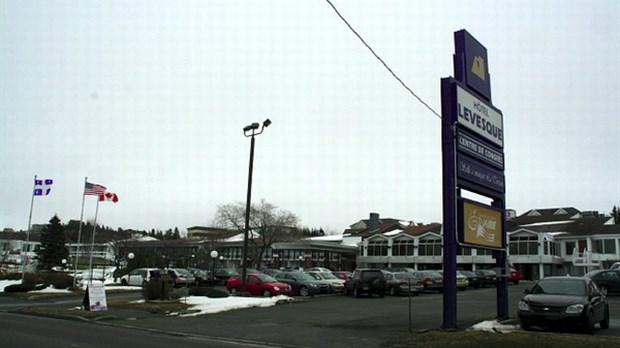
(481, 225)
(482, 119)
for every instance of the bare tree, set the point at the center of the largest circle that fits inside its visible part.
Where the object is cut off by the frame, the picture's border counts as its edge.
(268, 224)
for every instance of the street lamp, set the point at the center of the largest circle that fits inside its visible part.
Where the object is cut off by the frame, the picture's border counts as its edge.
(301, 259)
(249, 131)
(213, 258)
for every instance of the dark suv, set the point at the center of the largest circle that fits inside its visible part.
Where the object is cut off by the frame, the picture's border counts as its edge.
(366, 281)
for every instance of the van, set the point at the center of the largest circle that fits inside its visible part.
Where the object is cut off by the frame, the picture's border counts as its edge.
(139, 276)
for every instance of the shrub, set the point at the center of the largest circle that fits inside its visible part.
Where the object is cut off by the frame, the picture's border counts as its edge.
(22, 287)
(61, 281)
(208, 292)
(156, 290)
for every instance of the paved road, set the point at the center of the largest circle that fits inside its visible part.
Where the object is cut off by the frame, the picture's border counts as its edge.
(340, 320)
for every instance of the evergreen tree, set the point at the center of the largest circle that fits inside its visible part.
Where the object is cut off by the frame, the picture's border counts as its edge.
(168, 234)
(615, 213)
(176, 234)
(53, 249)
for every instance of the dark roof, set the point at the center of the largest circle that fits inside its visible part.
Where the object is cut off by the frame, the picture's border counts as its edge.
(417, 230)
(544, 215)
(575, 227)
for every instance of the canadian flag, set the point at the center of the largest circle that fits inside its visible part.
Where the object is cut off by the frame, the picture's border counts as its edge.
(108, 196)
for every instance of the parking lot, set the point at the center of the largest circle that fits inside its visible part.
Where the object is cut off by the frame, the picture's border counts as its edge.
(348, 321)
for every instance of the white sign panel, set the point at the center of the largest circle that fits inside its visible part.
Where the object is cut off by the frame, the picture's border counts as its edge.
(479, 117)
(97, 299)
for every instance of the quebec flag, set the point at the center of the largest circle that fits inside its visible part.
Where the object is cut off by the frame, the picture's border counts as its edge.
(42, 187)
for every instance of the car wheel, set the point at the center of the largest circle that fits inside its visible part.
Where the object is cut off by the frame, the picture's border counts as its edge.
(233, 291)
(604, 290)
(605, 322)
(356, 292)
(303, 291)
(124, 282)
(266, 293)
(392, 291)
(525, 325)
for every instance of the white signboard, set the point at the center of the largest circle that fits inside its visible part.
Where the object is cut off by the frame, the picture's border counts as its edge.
(96, 297)
(477, 116)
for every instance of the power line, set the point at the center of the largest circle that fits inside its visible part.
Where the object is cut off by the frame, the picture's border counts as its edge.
(381, 60)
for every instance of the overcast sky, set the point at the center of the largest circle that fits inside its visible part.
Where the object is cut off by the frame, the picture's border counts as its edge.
(149, 98)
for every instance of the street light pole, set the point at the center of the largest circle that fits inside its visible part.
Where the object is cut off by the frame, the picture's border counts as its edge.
(214, 254)
(252, 130)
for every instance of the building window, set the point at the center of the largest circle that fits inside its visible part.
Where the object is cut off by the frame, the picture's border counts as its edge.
(605, 246)
(402, 247)
(429, 247)
(570, 248)
(552, 248)
(523, 245)
(377, 247)
(465, 251)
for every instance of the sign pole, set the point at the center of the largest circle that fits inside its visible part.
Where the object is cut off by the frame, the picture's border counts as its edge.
(449, 207)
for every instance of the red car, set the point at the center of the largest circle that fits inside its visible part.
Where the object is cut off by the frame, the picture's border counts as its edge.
(515, 276)
(258, 284)
(344, 275)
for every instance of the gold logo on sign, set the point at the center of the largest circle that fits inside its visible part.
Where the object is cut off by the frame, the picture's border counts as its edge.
(483, 226)
(478, 67)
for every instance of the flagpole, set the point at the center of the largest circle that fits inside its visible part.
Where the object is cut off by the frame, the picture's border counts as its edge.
(79, 239)
(92, 245)
(25, 259)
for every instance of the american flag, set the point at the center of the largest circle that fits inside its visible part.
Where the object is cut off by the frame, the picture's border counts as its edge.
(94, 189)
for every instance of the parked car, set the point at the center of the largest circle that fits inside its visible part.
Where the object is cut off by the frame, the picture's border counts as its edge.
(514, 276)
(248, 270)
(181, 277)
(564, 301)
(258, 284)
(344, 275)
(432, 280)
(487, 276)
(223, 274)
(139, 276)
(399, 269)
(303, 284)
(366, 281)
(404, 283)
(336, 284)
(318, 269)
(615, 265)
(461, 280)
(272, 271)
(472, 278)
(203, 277)
(607, 280)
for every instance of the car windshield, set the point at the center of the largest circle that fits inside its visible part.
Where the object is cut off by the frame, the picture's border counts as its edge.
(266, 279)
(183, 272)
(304, 277)
(327, 275)
(560, 287)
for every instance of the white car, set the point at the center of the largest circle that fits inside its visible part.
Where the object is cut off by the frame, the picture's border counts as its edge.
(139, 276)
(336, 284)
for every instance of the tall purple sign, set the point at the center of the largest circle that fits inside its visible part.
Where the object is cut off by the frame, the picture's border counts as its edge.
(473, 160)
